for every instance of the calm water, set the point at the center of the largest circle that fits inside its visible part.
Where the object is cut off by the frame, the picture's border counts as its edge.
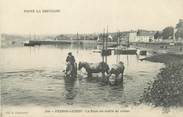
(33, 76)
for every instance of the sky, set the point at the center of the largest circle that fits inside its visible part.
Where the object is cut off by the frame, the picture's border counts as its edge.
(88, 16)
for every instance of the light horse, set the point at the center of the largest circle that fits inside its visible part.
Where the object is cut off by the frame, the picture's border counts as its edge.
(90, 68)
(71, 71)
(116, 73)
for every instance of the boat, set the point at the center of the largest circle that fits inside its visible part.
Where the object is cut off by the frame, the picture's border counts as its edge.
(30, 43)
(126, 51)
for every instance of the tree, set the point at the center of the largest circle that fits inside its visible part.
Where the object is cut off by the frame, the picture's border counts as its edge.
(179, 27)
(157, 35)
(179, 33)
(168, 32)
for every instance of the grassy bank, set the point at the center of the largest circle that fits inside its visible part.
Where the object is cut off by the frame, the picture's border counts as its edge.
(167, 88)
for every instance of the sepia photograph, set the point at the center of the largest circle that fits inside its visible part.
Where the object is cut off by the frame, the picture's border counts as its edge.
(91, 58)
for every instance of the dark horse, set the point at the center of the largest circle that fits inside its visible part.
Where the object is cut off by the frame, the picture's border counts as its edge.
(71, 71)
(116, 73)
(94, 67)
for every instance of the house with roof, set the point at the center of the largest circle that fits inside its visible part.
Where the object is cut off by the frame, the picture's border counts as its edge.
(141, 36)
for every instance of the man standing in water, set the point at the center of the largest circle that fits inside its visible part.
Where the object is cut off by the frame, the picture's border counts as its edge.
(70, 59)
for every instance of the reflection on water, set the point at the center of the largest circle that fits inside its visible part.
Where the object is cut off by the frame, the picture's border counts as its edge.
(70, 88)
(33, 75)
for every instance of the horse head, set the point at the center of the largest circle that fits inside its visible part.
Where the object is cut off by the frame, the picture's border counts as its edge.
(80, 65)
(84, 65)
(121, 63)
(117, 68)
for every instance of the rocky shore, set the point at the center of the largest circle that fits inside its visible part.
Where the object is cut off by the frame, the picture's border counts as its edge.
(167, 88)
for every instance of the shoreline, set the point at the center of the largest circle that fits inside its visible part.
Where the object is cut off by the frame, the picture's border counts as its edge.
(164, 58)
(166, 90)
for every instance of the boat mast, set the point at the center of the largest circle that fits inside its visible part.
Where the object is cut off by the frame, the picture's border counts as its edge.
(103, 36)
(118, 43)
(106, 39)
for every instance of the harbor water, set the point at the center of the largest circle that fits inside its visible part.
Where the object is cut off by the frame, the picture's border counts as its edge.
(34, 76)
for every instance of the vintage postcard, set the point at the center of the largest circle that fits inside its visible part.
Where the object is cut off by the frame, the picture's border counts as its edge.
(91, 58)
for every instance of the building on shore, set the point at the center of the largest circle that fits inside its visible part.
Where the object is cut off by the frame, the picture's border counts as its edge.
(141, 36)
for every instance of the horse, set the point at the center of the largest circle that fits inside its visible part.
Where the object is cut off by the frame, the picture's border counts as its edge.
(90, 68)
(71, 71)
(116, 73)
